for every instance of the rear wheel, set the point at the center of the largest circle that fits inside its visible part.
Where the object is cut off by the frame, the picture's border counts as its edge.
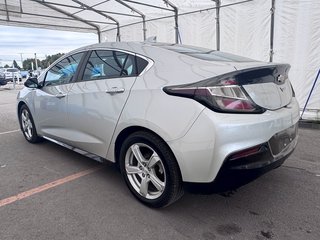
(27, 125)
(150, 170)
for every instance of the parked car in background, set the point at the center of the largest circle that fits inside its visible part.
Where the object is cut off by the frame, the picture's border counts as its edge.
(166, 114)
(24, 73)
(12, 73)
(3, 80)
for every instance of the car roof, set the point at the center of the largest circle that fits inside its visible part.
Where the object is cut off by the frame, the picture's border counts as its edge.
(135, 47)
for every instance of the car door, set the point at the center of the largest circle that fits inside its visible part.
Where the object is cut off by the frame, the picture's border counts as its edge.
(51, 99)
(97, 99)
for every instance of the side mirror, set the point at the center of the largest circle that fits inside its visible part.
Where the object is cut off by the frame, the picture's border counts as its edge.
(32, 83)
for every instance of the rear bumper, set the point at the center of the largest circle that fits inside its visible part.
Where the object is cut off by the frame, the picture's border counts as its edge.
(235, 173)
(278, 148)
(207, 149)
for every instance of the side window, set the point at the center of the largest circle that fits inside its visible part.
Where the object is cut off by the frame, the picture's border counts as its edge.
(64, 71)
(141, 64)
(104, 64)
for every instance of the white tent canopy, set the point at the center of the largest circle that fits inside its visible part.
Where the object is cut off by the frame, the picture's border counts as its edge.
(245, 28)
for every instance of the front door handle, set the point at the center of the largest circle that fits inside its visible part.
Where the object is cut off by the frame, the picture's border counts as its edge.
(60, 95)
(115, 90)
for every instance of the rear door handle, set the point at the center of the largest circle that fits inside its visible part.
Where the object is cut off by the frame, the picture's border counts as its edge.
(60, 95)
(115, 90)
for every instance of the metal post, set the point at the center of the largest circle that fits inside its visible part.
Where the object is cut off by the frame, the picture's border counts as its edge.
(35, 59)
(6, 6)
(118, 38)
(14, 80)
(20, 2)
(67, 14)
(144, 28)
(102, 14)
(176, 16)
(312, 88)
(218, 4)
(99, 35)
(21, 60)
(176, 24)
(272, 10)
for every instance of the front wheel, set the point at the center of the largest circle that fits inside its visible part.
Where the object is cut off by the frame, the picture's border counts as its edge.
(27, 125)
(150, 170)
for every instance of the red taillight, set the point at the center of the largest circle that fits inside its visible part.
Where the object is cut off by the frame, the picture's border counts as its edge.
(237, 104)
(246, 153)
(220, 98)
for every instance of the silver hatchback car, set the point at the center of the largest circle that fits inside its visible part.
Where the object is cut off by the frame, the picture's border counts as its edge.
(168, 115)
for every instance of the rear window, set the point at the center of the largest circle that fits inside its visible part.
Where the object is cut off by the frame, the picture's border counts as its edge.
(206, 54)
(104, 64)
(141, 64)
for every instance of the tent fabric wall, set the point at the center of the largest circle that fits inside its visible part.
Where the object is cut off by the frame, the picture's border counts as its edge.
(297, 41)
(245, 29)
(195, 29)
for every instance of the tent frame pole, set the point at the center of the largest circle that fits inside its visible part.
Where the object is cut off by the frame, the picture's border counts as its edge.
(69, 15)
(170, 4)
(272, 11)
(83, 9)
(312, 88)
(218, 5)
(144, 28)
(148, 5)
(102, 14)
(180, 14)
(6, 6)
(55, 17)
(176, 19)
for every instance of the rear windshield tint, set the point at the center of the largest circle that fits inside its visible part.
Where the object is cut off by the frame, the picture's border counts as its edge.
(206, 54)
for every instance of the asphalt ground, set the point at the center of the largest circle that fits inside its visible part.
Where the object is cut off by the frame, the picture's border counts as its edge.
(46, 192)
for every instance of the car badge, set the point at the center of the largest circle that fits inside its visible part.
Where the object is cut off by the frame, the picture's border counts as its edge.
(280, 79)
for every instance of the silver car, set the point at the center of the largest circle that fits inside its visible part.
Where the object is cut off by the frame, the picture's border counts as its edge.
(168, 115)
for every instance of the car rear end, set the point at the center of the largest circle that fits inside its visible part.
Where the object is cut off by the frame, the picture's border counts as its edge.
(12, 73)
(248, 125)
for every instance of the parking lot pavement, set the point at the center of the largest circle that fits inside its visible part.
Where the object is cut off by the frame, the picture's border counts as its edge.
(283, 204)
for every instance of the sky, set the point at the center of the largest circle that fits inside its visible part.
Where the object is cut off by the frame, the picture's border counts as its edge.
(16, 40)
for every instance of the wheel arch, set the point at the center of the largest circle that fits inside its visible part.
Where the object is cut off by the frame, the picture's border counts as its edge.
(20, 104)
(132, 129)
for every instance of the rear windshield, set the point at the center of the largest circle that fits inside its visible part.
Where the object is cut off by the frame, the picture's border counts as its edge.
(206, 54)
(12, 70)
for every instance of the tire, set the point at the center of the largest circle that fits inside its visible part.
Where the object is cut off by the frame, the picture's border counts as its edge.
(27, 125)
(155, 179)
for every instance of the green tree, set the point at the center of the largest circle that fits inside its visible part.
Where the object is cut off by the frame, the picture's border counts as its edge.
(6, 66)
(15, 64)
(50, 59)
(43, 63)
(27, 63)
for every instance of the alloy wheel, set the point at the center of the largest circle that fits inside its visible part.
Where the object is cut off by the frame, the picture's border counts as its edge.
(145, 171)
(26, 124)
